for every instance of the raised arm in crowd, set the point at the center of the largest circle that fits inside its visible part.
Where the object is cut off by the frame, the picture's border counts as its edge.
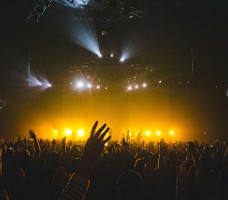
(33, 168)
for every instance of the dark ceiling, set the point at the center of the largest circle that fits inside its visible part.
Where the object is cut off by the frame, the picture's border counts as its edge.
(169, 35)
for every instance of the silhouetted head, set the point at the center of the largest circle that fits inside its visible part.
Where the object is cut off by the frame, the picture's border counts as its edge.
(130, 186)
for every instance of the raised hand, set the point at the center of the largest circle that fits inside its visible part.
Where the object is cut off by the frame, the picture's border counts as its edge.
(36, 143)
(93, 149)
(32, 134)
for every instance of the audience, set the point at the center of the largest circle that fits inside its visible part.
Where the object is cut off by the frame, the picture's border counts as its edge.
(33, 168)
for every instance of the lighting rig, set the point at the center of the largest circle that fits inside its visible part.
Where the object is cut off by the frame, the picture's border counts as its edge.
(110, 73)
(38, 10)
(116, 9)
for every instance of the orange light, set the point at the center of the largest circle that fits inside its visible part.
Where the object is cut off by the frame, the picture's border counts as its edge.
(81, 133)
(171, 132)
(147, 133)
(158, 133)
(68, 132)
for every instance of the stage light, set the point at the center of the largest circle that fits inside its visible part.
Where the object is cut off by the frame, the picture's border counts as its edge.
(159, 81)
(129, 88)
(49, 85)
(158, 133)
(171, 132)
(147, 133)
(68, 132)
(80, 133)
(46, 84)
(98, 87)
(111, 55)
(39, 81)
(127, 52)
(136, 86)
(80, 84)
(56, 132)
(144, 85)
(34, 81)
(80, 31)
(100, 55)
(89, 85)
(122, 59)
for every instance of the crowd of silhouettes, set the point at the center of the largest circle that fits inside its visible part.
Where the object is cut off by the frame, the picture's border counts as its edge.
(33, 168)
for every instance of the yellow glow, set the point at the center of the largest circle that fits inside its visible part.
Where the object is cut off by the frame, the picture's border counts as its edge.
(81, 133)
(147, 133)
(171, 132)
(68, 132)
(56, 132)
(106, 144)
(158, 133)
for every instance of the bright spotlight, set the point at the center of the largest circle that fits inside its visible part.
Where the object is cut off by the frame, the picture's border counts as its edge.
(98, 87)
(34, 81)
(39, 82)
(147, 133)
(111, 55)
(80, 30)
(56, 132)
(46, 84)
(122, 59)
(89, 85)
(158, 133)
(80, 84)
(129, 88)
(136, 86)
(160, 81)
(81, 133)
(68, 132)
(171, 132)
(144, 85)
(126, 54)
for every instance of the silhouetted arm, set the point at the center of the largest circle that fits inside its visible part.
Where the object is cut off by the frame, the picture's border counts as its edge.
(36, 144)
(79, 182)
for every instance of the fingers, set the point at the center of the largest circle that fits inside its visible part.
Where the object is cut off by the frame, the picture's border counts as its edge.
(92, 133)
(103, 134)
(106, 140)
(100, 131)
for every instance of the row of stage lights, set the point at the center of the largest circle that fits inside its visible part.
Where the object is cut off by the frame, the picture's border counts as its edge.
(136, 86)
(80, 85)
(80, 133)
(157, 133)
(122, 59)
(70, 132)
(85, 85)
